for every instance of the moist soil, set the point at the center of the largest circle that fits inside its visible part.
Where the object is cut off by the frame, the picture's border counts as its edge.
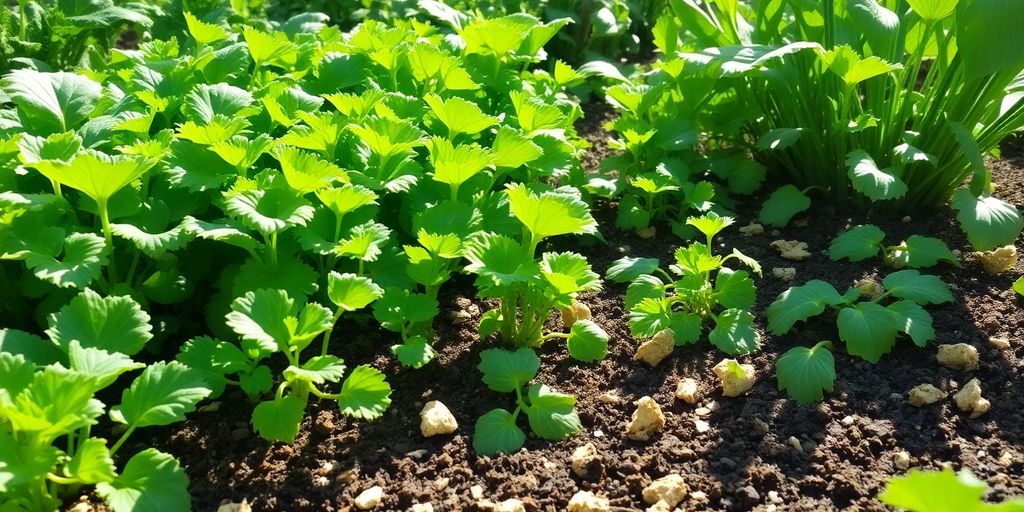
(762, 451)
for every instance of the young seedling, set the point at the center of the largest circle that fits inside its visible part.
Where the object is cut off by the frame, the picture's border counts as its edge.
(551, 415)
(699, 289)
(807, 373)
(865, 241)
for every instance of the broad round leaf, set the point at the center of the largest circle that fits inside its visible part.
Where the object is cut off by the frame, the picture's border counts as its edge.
(734, 332)
(152, 480)
(351, 292)
(587, 342)
(506, 371)
(414, 352)
(114, 324)
(922, 289)
(857, 244)
(365, 394)
(782, 205)
(163, 394)
(800, 303)
(552, 415)
(496, 432)
(868, 329)
(807, 373)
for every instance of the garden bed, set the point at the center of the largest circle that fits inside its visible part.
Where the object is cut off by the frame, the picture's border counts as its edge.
(747, 459)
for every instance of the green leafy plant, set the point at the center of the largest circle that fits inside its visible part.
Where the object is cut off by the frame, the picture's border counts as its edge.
(528, 288)
(49, 405)
(942, 491)
(1018, 286)
(866, 241)
(687, 299)
(906, 100)
(552, 415)
(869, 319)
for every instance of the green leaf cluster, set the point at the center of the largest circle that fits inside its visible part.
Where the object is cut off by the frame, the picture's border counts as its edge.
(866, 241)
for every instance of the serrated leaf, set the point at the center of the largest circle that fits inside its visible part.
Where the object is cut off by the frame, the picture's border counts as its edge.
(365, 394)
(455, 163)
(987, 221)
(114, 324)
(512, 148)
(459, 115)
(92, 463)
(868, 329)
(942, 491)
(51, 102)
(351, 292)
(305, 172)
(877, 184)
(95, 174)
(734, 332)
(84, 256)
(319, 370)
(279, 419)
(414, 352)
(782, 205)
(800, 303)
(807, 373)
(626, 269)
(154, 244)
(204, 33)
(506, 371)
(550, 213)
(496, 432)
(270, 211)
(205, 101)
(163, 394)
(734, 289)
(914, 321)
(152, 480)
(364, 241)
(569, 273)
(924, 251)
(552, 414)
(587, 342)
(649, 316)
(399, 306)
(102, 366)
(922, 289)
(710, 224)
(857, 244)
(21, 464)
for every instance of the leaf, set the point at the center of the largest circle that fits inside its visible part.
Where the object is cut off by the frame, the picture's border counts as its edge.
(152, 480)
(924, 251)
(587, 342)
(857, 244)
(351, 292)
(877, 184)
(318, 370)
(988, 222)
(154, 244)
(163, 394)
(1018, 286)
(205, 101)
(987, 37)
(454, 164)
(914, 321)
(84, 256)
(33, 348)
(626, 269)
(270, 211)
(459, 115)
(942, 491)
(279, 419)
(569, 273)
(506, 371)
(102, 366)
(710, 224)
(95, 174)
(782, 205)
(807, 373)
(513, 149)
(649, 316)
(260, 315)
(552, 414)
(800, 303)
(17, 374)
(51, 102)
(734, 289)
(305, 172)
(496, 432)
(868, 329)
(114, 324)
(550, 213)
(854, 69)
(91, 463)
(933, 10)
(734, 332)
(365, 394)
(399, 306)
(779, 138)
(644, 287)
(268, 48)
(204, 33)
(414, 352)
(364, 241)
(922, 289)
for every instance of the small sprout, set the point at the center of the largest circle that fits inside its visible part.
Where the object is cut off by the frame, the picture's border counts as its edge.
(969, 399)
(669, 489)
(924, 394)
(736, 378)
(792, 249)
(961, 356)
(656, 349)
(646, 421)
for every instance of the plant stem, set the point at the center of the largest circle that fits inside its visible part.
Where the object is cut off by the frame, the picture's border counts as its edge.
(101, 209)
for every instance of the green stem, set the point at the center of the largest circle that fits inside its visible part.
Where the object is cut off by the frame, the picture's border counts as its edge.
(101, 208)
(329, 331)
(124, 437)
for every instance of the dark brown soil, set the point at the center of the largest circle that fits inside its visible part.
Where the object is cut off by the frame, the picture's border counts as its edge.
(746, 461)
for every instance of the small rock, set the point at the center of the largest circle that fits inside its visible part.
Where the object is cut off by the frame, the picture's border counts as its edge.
(907, 219)
(748, 494)
(369, 498)
(736, 378)
(760, 427)
(1006, 459)
(646, 421)
(847, 420)
(701, 426)
(598, 433)
(586, 461)
(436, 419)
(509, 505)
(686, 391)
(670, 489)
(773, 496)
(660, 506)
(869, 287)
(417, 454)
(577, 311)
(422, 507)
(647, 232)
(548, 464)
(84, 506)
(752, 229)
(229, 507)
(998, 260)
(901, 460)
(969, 399)
(441, 483)
(784, 273)
(477, 492)
(792, 249)
(999, 342)
(699, 497)
(656, 349)
(609, 397)
(459, 317)
(924, 394)
(960, 356)
(321, 481)
(586, 501)
(795, 443)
